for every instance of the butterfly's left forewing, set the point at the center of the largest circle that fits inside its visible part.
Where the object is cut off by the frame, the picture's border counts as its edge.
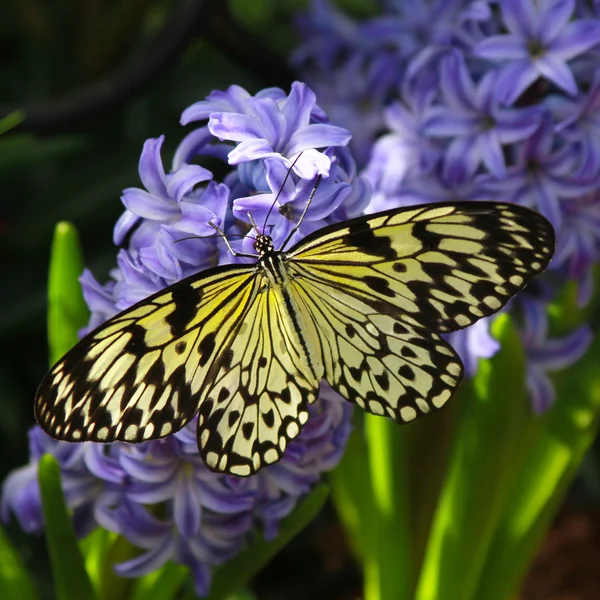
(140, 375)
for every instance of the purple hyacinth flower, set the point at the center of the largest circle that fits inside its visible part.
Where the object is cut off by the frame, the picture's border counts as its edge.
(543, 175)
(269, 127)
(477, 127)
(542, 39)
(548, 355)
(578, 243)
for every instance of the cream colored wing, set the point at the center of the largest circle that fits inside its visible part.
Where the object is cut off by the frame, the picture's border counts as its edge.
(260, 397)
(445, 265)
(386, 365)
(140, 375)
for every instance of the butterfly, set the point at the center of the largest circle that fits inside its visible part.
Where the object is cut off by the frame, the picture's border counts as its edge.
(360, 303)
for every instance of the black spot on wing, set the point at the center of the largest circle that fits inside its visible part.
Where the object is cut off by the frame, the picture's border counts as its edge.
(186, 300)
(362, 237)
(206, 347)
(269, 418)
(379, 285)
(224, 393)
(247, 430)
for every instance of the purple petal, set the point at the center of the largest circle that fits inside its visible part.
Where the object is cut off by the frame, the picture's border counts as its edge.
(125, 223)
(149, 562)
(186, 507)
(557, 71)
(102, 465)
(185, 179)
(311, 163)
(150, 471)
(443, 121)
(249, 150)
(258, 206)
(548, 203)
(502, 47)
(318, 135)
(149, 206)
(556, 354)
(514, 79)
(520, 16)
(196, 143)
(221, 499)
(461, 159)
(235, 127)
(541, 389)
(232, 100)
(555, 19)
(272, 122)
(151, 168)
(297, 107)
(515, 125)
(491, 153)
(279, 180)
(455, 82)
(195, 218)
(97, 297)
(576, 37)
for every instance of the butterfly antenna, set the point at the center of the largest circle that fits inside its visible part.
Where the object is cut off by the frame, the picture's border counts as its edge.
(297, 225)
(281, 190)
(234, 252)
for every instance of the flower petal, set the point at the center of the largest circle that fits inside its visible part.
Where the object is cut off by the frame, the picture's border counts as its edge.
(185, 179)
(556, 70)
(148, 206)
(151, 169)
(576, 37)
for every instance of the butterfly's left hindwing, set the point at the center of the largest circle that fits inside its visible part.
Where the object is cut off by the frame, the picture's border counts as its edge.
(140, 374)
(258, 400)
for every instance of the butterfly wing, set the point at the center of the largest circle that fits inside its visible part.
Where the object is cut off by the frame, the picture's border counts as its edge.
(140, 375)
(259, 400)
(387, 365)
(447, 265)
(378, 290)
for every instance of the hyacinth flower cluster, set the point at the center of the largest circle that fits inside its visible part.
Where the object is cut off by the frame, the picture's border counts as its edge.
(276, 144)
(482, 100)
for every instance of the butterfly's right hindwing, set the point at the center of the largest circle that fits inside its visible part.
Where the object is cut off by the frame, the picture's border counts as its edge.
(139, 376)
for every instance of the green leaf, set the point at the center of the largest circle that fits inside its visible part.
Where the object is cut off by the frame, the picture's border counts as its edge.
(15, 582)
(71, 581)
(237, 572)
(67, 310)
(162, 584)
(94, 548)
(352, 493)
(481, 472)
(554, 447)
(11, 120)
(388, 560)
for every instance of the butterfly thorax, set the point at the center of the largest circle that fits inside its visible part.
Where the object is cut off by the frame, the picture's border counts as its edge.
(273, 268)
